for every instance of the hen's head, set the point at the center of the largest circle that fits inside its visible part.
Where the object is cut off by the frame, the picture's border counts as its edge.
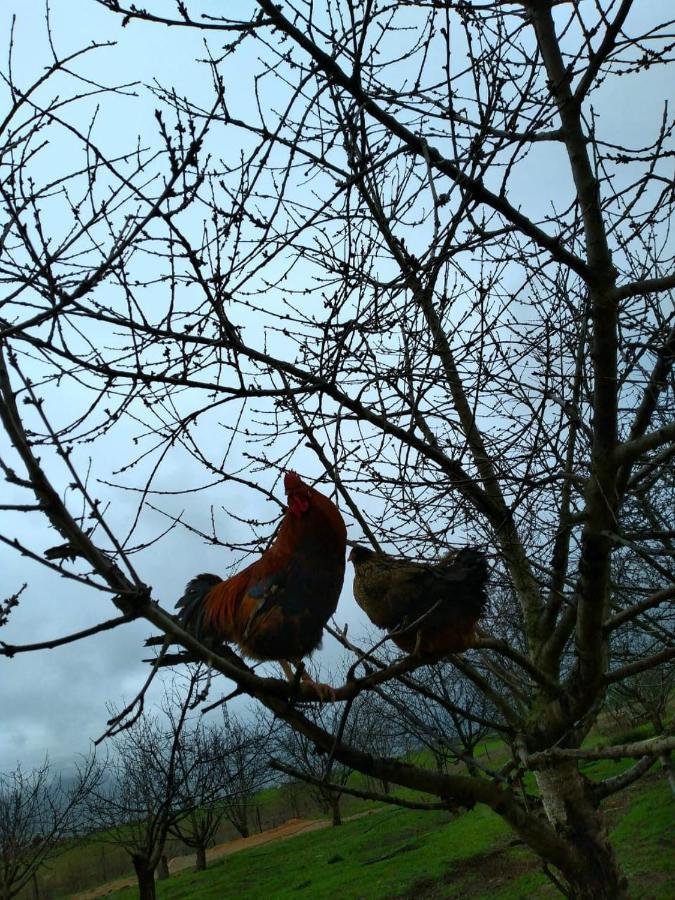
(298, 493)
(359, 554)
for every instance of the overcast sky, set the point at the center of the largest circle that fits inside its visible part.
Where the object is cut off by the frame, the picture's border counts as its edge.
(55, 701)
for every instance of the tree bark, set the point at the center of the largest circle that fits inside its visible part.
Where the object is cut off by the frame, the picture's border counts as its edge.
(335, 809)
(667, 767)
(163, 867)
(242, 826)
(570, 809)
(146, 879)
(201, 858)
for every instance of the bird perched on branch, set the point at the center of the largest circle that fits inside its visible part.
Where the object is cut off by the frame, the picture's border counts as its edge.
(428, 608)
(276, 608)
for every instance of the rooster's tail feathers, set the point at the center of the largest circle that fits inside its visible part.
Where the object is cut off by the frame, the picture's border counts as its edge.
(191, 605)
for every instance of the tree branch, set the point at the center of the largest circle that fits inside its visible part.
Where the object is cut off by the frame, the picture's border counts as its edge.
(627, 615)
(603, 51)
(354, 792)
(645, 286)
(421, 148)
(651, 747)
(11, 649)
(640, 665)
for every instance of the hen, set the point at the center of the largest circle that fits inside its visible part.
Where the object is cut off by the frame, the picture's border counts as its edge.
(428, 608)
(276, 608)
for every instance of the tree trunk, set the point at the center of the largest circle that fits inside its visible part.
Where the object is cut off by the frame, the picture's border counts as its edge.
(596, 874)
(471, 766)
(667, 767)
(146, 879)
(242, 825)
(201, 858)
(163, 867)
(335, 809)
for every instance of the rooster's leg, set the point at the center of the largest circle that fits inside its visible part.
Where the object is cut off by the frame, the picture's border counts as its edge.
(324, 691)
(293, 676)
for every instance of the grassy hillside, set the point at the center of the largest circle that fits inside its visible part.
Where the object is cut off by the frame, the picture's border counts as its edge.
(84, 864)
(399, 853)
(393, 852)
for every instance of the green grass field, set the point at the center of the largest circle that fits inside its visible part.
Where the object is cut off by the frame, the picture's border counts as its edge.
(398, 853)
(395, 853)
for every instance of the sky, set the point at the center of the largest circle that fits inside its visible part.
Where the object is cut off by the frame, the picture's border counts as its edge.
(54, 702)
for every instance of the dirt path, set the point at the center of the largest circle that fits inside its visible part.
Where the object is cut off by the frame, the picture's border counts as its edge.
(289, 829)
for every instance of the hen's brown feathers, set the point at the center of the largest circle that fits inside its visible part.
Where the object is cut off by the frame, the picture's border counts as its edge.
(430, 608)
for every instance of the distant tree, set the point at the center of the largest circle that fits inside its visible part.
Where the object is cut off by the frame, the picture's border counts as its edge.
(643, 694)
(445, 712)
(644, 697)
(297, 755)
(203, 780)
(222, 768)
(39, 811)
(145, 788)
(246, 746)
(382, 731)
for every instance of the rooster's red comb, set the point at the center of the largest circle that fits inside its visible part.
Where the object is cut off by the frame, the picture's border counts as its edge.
(292, 481)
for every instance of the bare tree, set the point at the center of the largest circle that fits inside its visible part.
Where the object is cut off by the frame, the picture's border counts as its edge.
(222, 770)
(425, 260)
(246, 764)
(146, 790)
(204, 778)
(644, 697)
(295, 754)
(447, 714)
(39, 812)
(382, 733)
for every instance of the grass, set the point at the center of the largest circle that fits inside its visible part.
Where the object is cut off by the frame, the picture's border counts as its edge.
(398, 853)
(369, 857)
(644, 839)
(85, 863)
(414, 855)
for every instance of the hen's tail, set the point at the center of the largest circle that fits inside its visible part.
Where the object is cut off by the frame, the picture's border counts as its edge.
(469, 570)
(471, 561)
(191, 605)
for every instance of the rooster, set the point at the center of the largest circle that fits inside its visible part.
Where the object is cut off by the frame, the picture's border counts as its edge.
(428, 608)
(276, 608)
